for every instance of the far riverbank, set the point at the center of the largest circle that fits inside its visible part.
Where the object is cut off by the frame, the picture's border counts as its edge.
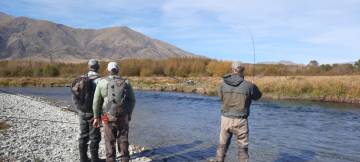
(340, 89)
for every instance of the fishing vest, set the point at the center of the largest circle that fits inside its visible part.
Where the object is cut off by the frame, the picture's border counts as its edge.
(236, 100)
(116, 96)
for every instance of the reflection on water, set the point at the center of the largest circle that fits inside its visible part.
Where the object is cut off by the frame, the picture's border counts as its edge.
(185, 127)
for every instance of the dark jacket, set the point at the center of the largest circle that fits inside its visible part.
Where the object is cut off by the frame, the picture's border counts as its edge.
(87, 106)
(236, 95)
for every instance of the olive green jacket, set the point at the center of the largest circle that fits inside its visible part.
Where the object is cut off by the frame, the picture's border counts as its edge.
(236, 95)
(100, 97)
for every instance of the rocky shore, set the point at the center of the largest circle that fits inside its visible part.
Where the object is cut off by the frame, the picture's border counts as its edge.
(39, 131)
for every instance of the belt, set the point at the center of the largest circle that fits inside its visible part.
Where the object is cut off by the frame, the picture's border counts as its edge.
(237, 117)
(243, 117)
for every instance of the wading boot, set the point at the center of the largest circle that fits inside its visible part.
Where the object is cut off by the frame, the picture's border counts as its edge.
(94, 152)
(124, 155)
(94, 156)
(83, 153)
(220, 153)
(125, 159)
(243, 155)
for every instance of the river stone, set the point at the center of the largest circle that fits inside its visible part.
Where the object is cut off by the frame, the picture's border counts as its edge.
(46, 141)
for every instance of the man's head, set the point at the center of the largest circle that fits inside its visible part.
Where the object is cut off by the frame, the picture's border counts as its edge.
(93, 65)
(113, 68)
(237, 68)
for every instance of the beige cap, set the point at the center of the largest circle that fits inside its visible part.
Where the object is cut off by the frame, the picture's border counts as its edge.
(112, 65)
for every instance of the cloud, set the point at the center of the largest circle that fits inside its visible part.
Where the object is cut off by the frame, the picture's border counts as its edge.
(316, 27)
(283, 30)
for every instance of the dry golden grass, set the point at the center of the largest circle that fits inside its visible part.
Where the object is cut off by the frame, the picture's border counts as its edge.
(326, 88)
(321, 88)
(202, 85)
(37, 82)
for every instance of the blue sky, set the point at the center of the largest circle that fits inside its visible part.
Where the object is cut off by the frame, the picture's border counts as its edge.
(298, 31)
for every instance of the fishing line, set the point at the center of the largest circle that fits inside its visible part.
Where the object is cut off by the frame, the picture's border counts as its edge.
(248, 30)
(253, 48)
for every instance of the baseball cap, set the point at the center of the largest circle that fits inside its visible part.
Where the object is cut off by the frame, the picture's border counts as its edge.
(112, 65)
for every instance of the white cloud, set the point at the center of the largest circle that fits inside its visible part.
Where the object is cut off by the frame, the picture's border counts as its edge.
(311, 25)
(286, 29)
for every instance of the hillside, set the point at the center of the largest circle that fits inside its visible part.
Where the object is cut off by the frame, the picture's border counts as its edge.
(26, 38)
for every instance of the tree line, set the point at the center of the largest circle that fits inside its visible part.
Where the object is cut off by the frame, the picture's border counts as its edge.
(179, 67)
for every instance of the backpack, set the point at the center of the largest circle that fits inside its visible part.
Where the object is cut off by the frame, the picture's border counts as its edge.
(83, 89)
(116, 95)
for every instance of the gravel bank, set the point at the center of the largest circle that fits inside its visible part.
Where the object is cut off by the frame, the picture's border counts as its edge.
(41, 139)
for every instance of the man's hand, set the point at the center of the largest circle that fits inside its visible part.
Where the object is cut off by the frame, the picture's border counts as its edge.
(96, 122)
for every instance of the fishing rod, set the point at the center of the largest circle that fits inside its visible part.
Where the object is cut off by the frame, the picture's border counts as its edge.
(253, 47)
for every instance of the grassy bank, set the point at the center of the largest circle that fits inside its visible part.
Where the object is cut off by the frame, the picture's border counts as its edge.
(319, 88)
(35, 82)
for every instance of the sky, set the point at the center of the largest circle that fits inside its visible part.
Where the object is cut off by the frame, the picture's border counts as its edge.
(294, 30)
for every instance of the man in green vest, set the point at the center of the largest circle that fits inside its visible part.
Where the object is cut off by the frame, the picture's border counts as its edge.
(236, 95)
(114, 101)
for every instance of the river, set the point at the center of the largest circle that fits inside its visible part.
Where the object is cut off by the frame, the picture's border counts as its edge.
(185, 127)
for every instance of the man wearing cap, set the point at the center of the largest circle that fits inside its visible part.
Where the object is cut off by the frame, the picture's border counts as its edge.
(116, 127)
(87, 131)
(236, 95)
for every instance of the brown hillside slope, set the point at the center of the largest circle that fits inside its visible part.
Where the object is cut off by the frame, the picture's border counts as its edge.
(25, 38)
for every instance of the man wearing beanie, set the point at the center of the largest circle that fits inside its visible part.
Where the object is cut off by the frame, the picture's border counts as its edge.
(236, 95)
(84, 88)
(114, 102)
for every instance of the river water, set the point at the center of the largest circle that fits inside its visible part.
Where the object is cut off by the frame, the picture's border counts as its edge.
(185, 127)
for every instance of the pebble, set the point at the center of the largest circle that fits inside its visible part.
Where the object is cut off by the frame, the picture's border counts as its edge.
(48, 141)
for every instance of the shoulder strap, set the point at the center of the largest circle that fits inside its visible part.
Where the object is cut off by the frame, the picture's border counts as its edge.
(94, 77)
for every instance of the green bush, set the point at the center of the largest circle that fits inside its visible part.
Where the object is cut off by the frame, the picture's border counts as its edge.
(51, 70)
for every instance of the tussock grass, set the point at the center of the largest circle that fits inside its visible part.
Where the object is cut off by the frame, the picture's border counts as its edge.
(319, 88)
(35, 82)
(323, 88)
(201, 85)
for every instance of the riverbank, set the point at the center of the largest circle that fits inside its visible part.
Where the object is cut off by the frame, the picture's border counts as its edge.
(341, 89)
(51, 135)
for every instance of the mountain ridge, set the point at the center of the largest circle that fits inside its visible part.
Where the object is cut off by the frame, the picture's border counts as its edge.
(283, 62)
(27, 38)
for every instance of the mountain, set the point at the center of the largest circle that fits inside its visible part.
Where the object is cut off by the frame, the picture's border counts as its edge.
(284, 62)
(26, 38)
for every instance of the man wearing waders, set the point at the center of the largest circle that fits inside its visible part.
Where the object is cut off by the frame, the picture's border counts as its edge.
(83, 89)
(236, 95)
(115, 99)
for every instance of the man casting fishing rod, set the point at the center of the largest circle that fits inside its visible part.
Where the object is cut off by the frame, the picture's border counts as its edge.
(236, 95)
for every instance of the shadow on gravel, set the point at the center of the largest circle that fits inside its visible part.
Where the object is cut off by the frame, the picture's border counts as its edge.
(4, 125)
(180, 152)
